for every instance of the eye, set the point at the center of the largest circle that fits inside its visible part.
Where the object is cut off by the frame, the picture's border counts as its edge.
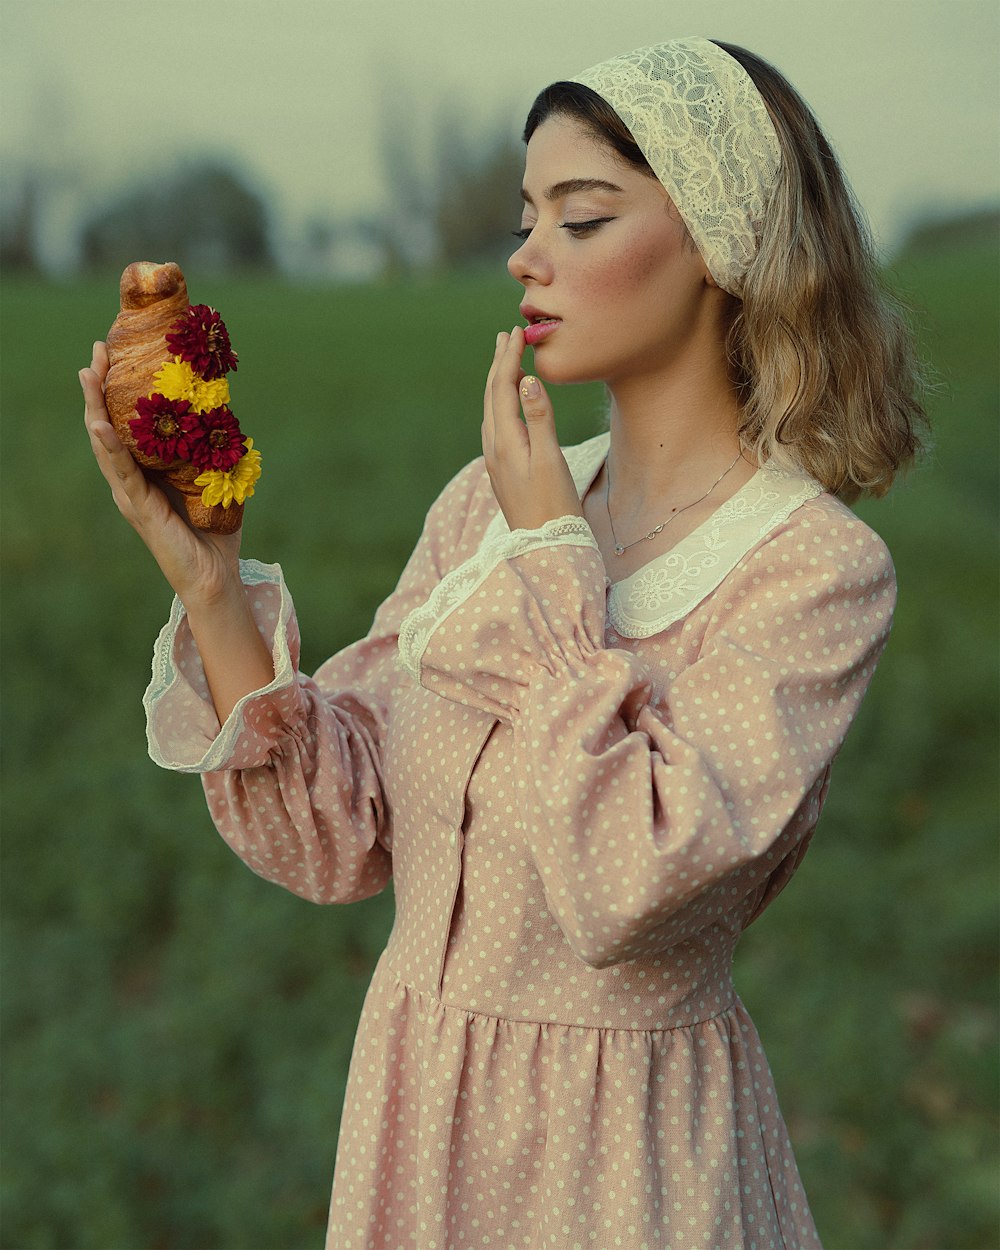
(523, 233)
(580, 229)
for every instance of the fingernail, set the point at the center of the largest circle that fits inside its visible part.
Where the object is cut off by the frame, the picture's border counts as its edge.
(529, 387)
(80, 376)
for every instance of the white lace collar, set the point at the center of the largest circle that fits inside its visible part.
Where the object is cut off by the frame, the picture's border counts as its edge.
(673, 584)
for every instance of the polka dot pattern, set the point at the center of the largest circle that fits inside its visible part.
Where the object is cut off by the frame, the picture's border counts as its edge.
(579, 825)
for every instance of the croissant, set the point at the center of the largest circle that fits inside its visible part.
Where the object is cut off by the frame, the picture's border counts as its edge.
(178, 435)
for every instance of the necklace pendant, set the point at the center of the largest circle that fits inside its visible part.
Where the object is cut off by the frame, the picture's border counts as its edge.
(621, 548)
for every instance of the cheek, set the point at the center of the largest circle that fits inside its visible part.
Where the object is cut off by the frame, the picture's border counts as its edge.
(617, 274)
(640, 267)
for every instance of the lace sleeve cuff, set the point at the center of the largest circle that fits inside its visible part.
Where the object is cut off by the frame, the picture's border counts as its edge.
(182, 727)
(463, 582)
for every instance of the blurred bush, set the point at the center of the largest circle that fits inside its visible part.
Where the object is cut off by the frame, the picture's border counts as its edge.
(204, 215)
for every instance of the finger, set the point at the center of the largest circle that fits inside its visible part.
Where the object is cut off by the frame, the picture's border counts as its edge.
(128, 483)
(506, 409)
(538, 415)
(92, 384)
(498, 351)
(95, 409)
(99, 360)
(508, 371)
(95, 413)
(509, 364)
(489, 424)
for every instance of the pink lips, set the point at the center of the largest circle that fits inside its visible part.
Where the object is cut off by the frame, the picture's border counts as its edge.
(539, 330)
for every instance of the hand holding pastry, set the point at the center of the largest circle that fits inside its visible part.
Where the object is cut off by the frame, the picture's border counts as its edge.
(198, 565)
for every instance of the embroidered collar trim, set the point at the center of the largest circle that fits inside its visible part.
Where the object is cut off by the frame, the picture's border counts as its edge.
(670, 586)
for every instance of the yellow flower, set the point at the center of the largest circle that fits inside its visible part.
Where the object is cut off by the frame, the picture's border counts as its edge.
(175, 379)
(209, 395)
(233, 485)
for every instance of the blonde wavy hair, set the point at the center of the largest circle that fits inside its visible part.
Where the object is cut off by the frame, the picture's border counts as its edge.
(821, 353)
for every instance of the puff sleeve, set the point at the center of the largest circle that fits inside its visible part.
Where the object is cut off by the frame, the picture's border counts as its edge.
(651, 812)
(294, 777)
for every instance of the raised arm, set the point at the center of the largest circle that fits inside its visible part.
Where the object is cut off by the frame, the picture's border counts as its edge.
(203, 569)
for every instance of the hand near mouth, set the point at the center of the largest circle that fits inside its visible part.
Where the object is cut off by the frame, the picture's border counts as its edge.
(527, 469)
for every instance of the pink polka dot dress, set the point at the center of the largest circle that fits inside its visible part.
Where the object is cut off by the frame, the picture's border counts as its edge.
(584, 792)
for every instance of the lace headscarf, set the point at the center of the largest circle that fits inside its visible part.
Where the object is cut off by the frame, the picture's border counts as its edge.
(701, 124)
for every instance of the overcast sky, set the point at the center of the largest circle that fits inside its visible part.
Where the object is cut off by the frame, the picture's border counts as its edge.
(98, 91)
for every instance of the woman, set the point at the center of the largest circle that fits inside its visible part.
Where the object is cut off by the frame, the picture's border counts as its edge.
(590, 732)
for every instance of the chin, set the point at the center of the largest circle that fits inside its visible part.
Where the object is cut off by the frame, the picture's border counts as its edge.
(556, 372)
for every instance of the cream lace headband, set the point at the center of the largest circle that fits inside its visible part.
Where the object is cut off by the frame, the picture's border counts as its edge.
(702, 126)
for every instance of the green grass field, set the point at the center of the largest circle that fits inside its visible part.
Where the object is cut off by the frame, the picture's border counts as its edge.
(177, 1032)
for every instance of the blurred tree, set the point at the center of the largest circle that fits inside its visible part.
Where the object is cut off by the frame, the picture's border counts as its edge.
(202, 215)
(403, 230)
(478, 200)
(19, 211)
(453, 193)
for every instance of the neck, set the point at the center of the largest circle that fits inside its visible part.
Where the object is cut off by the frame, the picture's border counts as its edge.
(670, 434)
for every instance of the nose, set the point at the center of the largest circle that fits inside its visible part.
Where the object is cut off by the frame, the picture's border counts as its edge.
(530, 263)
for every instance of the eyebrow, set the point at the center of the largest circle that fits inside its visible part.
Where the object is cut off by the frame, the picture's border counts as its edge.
(559, 189)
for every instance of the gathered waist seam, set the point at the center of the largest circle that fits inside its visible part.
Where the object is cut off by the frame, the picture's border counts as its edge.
(559, 1024)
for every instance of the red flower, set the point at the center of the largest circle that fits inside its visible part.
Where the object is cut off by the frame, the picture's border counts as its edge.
(216, 441)
(200, 337)
(163, 427)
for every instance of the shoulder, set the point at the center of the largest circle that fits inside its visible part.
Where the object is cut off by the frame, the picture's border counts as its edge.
(821, 558)
(824, 534)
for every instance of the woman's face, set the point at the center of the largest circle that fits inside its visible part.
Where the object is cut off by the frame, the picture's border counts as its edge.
(605, 253)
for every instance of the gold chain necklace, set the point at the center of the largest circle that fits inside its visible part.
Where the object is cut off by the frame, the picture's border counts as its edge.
(621, 548)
